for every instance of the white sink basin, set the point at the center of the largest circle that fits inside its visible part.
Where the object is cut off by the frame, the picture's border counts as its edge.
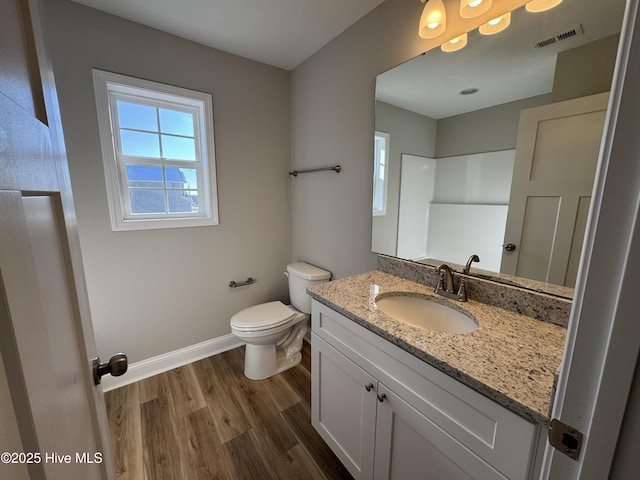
(424, 312)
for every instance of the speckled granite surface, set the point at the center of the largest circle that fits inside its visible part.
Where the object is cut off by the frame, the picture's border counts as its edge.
(535, 285)
(510, 358)
(545, 307)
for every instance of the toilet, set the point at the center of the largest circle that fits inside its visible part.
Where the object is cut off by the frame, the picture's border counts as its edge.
(273, 331)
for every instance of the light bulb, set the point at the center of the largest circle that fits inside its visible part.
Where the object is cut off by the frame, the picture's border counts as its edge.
(433, 20)
(496, 25)
(474, 8)
(455, 43)
(541, 5)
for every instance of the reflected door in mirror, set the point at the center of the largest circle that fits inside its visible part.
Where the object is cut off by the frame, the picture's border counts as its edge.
(557, 152)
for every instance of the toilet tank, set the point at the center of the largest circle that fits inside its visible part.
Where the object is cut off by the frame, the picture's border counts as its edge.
(302, 275)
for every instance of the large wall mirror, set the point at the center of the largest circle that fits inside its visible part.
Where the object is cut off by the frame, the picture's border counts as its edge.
(492, 150)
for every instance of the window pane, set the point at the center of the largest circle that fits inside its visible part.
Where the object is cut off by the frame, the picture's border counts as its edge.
(138, 117)
(193, 195)
(138, 144)
(144, 176)
(181, 177)
(178, 123)
(147, 201)
(379, 175)
(180, 201)
(178, 148)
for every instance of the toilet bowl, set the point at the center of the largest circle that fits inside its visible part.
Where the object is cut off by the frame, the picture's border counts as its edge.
(273, 332)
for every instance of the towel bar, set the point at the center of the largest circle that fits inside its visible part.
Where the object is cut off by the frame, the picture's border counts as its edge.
(335, 168)
(249, 281)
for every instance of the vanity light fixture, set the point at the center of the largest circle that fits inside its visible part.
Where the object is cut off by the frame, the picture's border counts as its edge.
(433, 20)
(455, 44)
(496, 25)
(536, 6)
(474, 8)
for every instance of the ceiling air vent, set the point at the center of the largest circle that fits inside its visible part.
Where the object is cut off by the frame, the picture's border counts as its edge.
(570, 33)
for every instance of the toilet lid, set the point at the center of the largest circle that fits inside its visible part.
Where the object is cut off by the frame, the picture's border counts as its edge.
(262, 317)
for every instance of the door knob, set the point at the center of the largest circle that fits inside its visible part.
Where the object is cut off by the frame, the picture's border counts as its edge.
(116, 366)
(509, 247)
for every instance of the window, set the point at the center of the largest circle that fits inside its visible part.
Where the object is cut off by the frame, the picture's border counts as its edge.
(158, 153)
(381, 165)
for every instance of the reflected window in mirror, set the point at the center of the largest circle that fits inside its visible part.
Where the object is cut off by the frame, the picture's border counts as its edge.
(381, 162)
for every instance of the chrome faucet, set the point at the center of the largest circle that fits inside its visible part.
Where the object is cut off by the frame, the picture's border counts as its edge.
(472, 258)
(445, 285)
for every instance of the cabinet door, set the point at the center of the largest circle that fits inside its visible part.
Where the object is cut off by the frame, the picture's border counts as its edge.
(409, 445)
(343, 407)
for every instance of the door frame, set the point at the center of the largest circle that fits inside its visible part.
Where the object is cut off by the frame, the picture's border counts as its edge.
(603, 339)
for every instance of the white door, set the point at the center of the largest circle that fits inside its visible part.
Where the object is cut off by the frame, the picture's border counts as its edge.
(603, 339)
(556, 156)
(53, 420)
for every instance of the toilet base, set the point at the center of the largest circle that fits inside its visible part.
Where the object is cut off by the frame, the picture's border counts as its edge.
(264, 361)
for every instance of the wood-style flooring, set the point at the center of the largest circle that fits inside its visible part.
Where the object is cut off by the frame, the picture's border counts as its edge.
(206, 420)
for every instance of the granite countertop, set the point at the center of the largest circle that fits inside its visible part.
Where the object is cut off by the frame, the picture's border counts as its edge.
(511, 358)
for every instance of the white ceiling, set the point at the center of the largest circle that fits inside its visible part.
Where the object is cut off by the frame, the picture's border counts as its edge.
(278, 32)
(284, 33)
(504, 67)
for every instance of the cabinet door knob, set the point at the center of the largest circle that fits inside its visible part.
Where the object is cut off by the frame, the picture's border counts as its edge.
(381, 397)
(369, 387)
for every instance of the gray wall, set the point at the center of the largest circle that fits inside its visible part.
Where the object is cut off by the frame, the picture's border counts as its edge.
(585, 70)
(410, 133)
(488, 130)
(333, 122)
(155, 291)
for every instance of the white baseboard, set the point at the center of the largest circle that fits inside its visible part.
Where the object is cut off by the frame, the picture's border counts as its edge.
(165, 362)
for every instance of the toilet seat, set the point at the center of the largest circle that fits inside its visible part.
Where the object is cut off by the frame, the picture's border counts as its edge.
(262, 317)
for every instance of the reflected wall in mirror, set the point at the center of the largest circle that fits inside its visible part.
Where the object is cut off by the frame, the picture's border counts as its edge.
(513, 162)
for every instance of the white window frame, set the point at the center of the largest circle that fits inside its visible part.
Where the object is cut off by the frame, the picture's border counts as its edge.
(380, 184)
(110, 87)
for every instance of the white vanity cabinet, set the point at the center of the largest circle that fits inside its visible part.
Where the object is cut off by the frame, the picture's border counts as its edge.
(387, 414)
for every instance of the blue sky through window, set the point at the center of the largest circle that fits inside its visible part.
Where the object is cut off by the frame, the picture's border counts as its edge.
(153, 132)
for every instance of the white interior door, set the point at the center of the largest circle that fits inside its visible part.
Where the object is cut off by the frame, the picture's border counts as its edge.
(45, 361)
(53, 418)
(556, 157)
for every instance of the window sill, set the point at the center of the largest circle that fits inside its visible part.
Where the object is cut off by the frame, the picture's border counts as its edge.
(162, 223)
